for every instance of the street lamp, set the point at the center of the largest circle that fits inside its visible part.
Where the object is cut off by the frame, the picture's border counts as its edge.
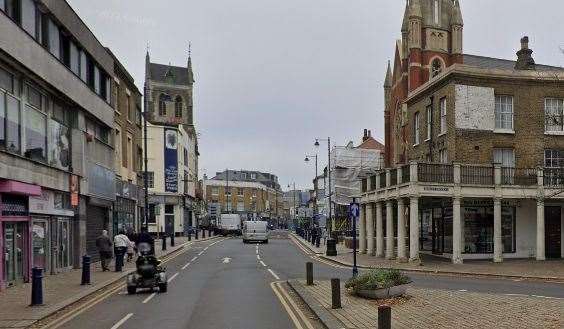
(331, 244)
(294, 208)
(315, 209)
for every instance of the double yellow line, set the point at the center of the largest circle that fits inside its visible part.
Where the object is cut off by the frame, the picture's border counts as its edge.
(314, 256)
(296, 315)
(81, 308)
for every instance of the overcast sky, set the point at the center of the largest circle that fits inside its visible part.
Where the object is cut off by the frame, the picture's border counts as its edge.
(271, 75)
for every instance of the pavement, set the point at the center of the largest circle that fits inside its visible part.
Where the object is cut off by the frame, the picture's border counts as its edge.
(434, 308)
(64, 289)
(227, 284)
(509, 268)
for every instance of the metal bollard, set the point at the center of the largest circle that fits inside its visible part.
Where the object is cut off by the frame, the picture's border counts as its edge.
(317, 241)
(189, 236)
(384, 317)
(309, 273)
(86, 261)
(36, 286)
(335, 293)
(203, 233)
(164, 243)
(196, 234)
(172, 240)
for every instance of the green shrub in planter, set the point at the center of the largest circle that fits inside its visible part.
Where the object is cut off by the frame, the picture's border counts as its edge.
(377, 279)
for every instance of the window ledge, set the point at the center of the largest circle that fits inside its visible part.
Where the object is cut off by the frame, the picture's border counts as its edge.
(417, 144)
(504, 131)
(428, 139)
(441, 134)
(554, 133)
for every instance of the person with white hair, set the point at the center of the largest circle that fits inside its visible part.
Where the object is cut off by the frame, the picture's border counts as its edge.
(104, 245)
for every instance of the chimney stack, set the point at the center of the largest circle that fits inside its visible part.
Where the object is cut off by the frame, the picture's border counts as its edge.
(525, 59)
(365, 137)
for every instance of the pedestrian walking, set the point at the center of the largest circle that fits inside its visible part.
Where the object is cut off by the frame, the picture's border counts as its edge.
(104, 245)
(121, 242)
(130, 250)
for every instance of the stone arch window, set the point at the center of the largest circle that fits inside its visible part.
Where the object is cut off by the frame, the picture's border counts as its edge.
(178, 107)
(437, 67)
(162, 104)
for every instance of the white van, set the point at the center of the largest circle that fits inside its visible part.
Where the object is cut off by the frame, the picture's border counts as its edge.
(230, 224)
(255, 231)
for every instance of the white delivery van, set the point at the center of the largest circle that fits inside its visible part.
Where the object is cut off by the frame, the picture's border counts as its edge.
(255, 231)
(230, 224)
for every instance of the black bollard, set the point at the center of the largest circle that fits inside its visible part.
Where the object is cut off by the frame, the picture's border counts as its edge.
(317, 240)
(189, 236)
(172, 240)
(196, 234)
(164, 243)
(335, 293)
(309, 273)
(331, 247)
(36, 286)
(85, 270)
(203, 233)
(384, 317)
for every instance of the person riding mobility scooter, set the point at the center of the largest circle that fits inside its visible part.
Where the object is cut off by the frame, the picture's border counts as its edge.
(150, 274)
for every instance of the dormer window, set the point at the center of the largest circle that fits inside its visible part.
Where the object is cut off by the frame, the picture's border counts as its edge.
(436, 67)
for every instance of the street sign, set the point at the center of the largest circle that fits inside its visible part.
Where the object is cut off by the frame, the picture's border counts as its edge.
(354, 210)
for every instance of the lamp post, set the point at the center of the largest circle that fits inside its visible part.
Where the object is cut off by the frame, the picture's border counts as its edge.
(294, 207)
(315, 209)
(331, 243)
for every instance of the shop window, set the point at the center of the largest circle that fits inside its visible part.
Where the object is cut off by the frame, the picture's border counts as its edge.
(35, 134)
(14, 205)
(478, 229)
(240, 191)
(169, 209)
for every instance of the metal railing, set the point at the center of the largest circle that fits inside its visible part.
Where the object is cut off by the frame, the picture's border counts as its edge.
(394, 177)
(405, 174)
(553, 177)
(477, 175)
(435, 173)
(518, 176)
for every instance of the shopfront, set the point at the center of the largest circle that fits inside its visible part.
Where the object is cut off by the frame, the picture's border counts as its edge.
(52, 227)
(478, 227)
(124, 215)
(15, 232)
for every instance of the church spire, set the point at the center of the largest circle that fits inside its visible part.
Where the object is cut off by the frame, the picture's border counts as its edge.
(457, 14)
(388, 80)
(405, 23)
(190, 71)
(415, 9)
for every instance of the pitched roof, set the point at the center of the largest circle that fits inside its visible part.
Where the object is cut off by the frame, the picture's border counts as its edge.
(161, 73)
(371, 144)
(498, 63)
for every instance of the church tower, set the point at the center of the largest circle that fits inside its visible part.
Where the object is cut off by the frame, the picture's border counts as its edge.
(431, 41)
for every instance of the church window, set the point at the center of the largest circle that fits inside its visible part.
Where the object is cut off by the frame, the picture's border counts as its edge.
(162, 104)
(436, 11)
(436, 67)
(178, 107)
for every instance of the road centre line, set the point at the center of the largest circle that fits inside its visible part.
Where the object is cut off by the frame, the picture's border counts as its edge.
(122, 321)
(193, 259)
(149, 298)
(263, 264)
(258, 257)
(200, 253)
(185, 266)
(274, 274)
(172, 277)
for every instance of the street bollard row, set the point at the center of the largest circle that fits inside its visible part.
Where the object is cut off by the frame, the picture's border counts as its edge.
(384, 317)
(86, 261)
(36, 286)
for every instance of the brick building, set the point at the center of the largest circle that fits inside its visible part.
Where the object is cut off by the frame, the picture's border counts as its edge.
(475, 150)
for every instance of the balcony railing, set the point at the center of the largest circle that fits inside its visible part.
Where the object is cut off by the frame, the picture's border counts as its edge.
(519, 176)
(435, 173)
(477, 175)
(394, 177)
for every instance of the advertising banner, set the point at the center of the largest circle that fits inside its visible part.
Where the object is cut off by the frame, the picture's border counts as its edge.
(171, 160)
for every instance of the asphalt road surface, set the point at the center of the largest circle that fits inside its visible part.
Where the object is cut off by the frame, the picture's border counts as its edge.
(225, 284)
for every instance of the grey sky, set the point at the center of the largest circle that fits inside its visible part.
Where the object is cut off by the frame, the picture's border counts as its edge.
(273, 75)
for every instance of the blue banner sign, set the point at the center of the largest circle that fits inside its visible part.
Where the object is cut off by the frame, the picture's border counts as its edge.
(171, 160)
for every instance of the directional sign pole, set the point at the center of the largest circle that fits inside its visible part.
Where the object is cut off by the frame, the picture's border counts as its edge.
(354, 210)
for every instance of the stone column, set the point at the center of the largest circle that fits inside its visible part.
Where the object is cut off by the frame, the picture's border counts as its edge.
(414, 229)
(540, 230)
(389, 230)
(498, 246)
(379, 231)
(362, 229)
(457, 246)
(401, 230)
(370, 229)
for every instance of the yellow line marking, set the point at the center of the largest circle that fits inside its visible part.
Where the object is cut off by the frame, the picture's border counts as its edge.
(296, 308)
(286, 306)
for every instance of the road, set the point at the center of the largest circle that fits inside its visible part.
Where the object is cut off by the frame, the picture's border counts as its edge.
(227, 284)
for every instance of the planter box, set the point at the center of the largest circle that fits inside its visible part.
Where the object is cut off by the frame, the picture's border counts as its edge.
(384, 293)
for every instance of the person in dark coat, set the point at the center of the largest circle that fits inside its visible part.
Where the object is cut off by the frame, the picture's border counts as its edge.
(104, 245)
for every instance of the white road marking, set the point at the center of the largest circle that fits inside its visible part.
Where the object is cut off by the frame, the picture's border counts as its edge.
(263, 264)
(545, 297)
(274, 274)
(226, 260)
(185, 266)
(258, 257)
(206, 248)
(517, 295)
(463, 290)
(200, 254)
(256, 251)
(172, 277)
(149, 298)
(193, 259)
(122, 321)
